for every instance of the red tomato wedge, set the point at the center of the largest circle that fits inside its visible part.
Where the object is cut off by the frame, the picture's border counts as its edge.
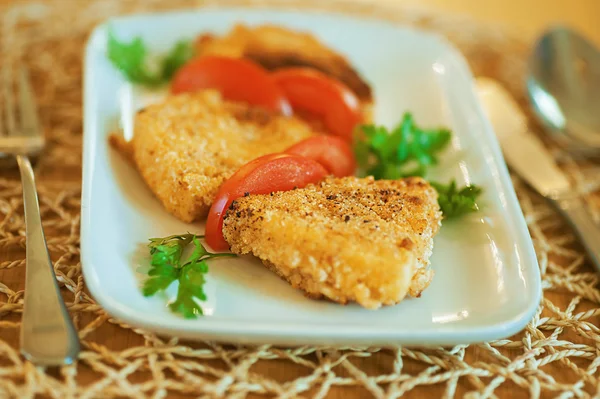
(316, 93)
(237, 79)
(334, 153)
(264, 175)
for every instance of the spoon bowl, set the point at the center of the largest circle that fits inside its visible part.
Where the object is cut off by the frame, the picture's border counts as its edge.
(563, 85)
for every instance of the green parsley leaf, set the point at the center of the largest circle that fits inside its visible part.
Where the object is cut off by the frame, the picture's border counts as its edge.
(456, 201)
(407, 150)
(131, 59)
(198, 253)
(179, 55)
(178, 242)
(166, 267)
(161, 277)
(191, 290)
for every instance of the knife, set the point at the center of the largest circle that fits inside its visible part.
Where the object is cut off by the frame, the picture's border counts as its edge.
(528, 157)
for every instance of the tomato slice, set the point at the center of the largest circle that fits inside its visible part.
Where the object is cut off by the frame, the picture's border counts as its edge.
(314, 92)
(264, 175)
(334, 153)
(237, 79)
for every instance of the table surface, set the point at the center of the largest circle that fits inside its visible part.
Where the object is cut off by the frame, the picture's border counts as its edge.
(529, 16)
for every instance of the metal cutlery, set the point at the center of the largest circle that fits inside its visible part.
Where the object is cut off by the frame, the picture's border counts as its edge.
(48, 336)
(563, 84)
(527, 156)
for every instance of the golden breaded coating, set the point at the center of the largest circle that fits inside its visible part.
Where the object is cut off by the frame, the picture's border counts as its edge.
(276, 47)
(187, 146)
(347, 239)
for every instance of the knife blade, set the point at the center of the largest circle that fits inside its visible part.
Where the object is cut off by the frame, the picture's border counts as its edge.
(526, 155)
(523, 152)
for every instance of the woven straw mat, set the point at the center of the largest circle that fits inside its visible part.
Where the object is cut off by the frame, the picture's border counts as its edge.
(557, 355)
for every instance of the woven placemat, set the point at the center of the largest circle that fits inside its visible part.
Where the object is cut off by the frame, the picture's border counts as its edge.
(557, 355)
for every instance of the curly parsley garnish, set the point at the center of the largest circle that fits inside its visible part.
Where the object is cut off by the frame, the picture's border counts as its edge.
(167, 267)
(131, 58)
(456, 201)
(409, 150)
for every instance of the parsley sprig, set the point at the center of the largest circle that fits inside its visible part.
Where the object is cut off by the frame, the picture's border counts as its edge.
(131, 58)
(407, 150)
(410, 150)
(456, 201)
(166, 267)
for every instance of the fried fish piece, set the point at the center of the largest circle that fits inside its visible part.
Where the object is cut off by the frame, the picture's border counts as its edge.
(276, 47)
(346, 239)
(188, 145)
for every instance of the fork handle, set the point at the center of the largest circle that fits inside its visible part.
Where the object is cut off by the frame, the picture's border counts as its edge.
(48, 336)
(576, 212)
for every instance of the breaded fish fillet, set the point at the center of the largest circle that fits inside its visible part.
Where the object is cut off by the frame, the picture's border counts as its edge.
(186, 146)
(346, 239)
(276, 47)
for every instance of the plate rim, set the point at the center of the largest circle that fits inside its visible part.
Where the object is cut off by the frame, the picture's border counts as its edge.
(289, 333)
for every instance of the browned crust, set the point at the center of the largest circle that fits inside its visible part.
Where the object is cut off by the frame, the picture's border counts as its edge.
(124, 147)
(188, 145)
(298, 283)
(344, 239)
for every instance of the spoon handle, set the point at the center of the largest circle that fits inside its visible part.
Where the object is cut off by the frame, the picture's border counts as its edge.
(576, 212)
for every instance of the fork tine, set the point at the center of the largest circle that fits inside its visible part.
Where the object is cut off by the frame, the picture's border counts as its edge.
(16, 140)
(30, 125)
(9, 102)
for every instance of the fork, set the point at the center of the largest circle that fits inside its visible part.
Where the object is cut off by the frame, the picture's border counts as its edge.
(48, 337)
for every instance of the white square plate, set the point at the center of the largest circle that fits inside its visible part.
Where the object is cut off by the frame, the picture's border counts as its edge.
(487, 282)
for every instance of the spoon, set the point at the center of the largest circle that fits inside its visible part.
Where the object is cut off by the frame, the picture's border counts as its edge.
(564, 89)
